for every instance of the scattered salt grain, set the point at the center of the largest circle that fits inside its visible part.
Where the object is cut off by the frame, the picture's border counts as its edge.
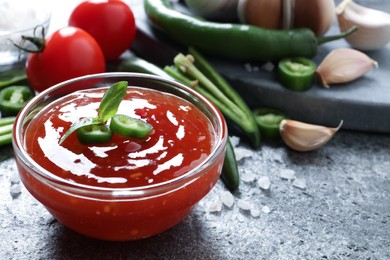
(227, 199)
(287, 174)
(234, 140)
(299, 183)
(255, 212)
(269, 66)
(248, 177)
(15, 190)
(266, 209)
(240, 218)
(277, 158)
(14, 178)
(264, 182)
(244, 205)
(215, 206)
(250, 68)
(242, 152)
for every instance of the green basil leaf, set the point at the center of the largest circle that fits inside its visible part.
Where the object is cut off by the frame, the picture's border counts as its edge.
(111, 100)
(80, 123)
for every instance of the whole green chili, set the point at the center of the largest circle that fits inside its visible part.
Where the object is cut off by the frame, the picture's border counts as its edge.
(235, 41)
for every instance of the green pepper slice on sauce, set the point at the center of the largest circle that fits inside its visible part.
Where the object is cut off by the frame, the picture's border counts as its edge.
(129, 126)
(268, 120)
(296, 73)
(14, 98)
(94, 134)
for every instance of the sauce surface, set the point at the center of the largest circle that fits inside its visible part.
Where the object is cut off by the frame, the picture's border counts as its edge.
(182, 137)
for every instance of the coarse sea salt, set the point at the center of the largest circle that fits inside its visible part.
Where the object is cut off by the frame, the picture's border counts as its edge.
(255, 212)
(11, 13)
(244, 205)
(215, 206)
(248, 177)
(227, 199)
(264, 182)
(299, 183)
(287, 174)
(266, 209)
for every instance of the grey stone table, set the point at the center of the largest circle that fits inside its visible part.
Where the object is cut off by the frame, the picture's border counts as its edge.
(333, 203)
(336, 206)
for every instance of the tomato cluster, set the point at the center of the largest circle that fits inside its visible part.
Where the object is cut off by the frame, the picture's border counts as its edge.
(98, 31)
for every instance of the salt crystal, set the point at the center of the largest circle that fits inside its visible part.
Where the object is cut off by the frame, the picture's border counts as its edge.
(266, 209)
(227, 199)
(244, 205)
(255, 212)
(234, 140)
(240, 218)
(269, 66)
(242, 153)
(215, 206)
(248, 67)
(248, 177)
(277, 158)
(264, 182)
(15, 190)
(287, 174)
(299, 183)
(14, 178)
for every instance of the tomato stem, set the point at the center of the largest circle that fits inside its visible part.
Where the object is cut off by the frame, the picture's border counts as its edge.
(37, 41)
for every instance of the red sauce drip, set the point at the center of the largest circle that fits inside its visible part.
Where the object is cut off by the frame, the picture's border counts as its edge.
(181, 139)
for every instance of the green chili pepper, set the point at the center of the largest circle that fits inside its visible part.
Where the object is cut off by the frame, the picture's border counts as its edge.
(94, 134)
(10, 77)
(230, 175)
(135, 64)
(296, 73)
(235, 41)
(14, 98)
(129, 126)
(268, 120)
(6, 126)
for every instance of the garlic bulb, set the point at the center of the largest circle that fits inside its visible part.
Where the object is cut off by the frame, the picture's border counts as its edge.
(305, 137)
(318, 15)
(343, 65)
(374, 25)
(213, 9)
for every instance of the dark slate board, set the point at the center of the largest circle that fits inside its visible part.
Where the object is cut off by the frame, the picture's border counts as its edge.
(363, 105)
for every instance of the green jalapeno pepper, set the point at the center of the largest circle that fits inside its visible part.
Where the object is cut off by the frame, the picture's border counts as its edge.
(296, 73)
(129, 126)
(14, 98)
(94, 134)
(236, 41)
(230, 175)
(268, 120)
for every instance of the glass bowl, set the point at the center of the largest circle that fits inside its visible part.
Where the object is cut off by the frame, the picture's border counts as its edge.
(20, 17)
(120, 214)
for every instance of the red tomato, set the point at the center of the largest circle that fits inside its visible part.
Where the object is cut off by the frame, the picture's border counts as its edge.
(110, 22)
(69, 52)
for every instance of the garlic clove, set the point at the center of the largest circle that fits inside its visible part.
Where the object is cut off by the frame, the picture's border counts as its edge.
(305, 137)
(343, 65)
(374, 25)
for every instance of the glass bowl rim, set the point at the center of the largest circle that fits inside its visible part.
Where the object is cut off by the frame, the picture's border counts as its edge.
(153, 189)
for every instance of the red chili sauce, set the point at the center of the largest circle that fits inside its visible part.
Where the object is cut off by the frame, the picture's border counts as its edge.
(181, 138)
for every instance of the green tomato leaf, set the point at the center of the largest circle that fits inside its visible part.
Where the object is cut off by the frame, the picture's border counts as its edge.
(111, 100)
(80, 123)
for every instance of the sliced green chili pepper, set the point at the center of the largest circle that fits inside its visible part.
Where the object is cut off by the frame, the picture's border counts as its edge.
(296, 73)
(230, 175)
(14, 98)
(94, 134)
(268, 120)
(129, 126)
